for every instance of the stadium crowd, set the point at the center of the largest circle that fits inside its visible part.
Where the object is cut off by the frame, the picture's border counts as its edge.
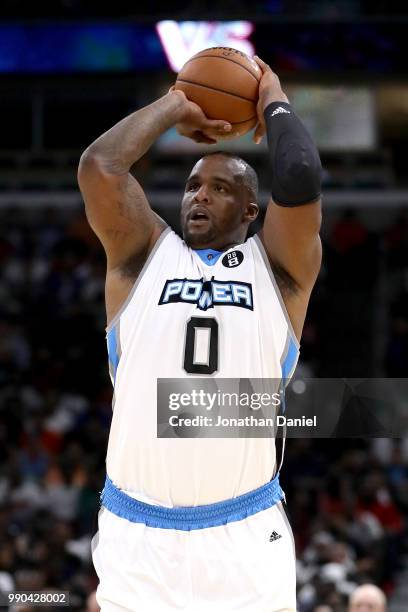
(347, 499)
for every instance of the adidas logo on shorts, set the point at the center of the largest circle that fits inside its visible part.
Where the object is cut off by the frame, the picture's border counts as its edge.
(280, 109)
(274, 536)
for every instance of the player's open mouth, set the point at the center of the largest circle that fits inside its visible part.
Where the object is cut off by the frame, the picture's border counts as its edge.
(198, 215)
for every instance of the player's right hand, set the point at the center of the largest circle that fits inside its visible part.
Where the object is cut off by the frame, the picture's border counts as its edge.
(196, 126)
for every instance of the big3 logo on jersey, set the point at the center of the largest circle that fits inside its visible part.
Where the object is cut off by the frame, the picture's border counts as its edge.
(207, 294)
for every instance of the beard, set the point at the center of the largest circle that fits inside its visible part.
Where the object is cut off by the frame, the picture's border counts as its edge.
(195, 237)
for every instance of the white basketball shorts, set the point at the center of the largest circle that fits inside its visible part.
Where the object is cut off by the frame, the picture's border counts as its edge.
(236, 555)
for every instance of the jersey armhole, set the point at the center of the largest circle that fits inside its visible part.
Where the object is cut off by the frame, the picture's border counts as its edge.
(153, 252)
(268, 266)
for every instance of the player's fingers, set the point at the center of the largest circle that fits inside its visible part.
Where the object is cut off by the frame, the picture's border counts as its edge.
(263, 65)
(217, 126)
(259, 133)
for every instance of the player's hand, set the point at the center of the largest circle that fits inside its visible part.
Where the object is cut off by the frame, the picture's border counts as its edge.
(195, 125)
(270, 90)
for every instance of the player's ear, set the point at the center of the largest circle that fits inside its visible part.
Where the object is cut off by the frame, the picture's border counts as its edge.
(251, 212)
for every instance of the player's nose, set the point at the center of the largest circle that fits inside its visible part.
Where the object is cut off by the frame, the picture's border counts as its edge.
(201, 195)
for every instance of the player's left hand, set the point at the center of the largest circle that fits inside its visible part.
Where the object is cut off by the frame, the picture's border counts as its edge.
(270, 90)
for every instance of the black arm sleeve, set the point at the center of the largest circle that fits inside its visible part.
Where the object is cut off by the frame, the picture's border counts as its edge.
(294, 158)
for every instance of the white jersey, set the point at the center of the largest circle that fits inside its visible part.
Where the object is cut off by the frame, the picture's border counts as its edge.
(151, 337)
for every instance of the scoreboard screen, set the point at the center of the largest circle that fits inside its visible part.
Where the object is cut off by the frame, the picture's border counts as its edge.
(131, 47)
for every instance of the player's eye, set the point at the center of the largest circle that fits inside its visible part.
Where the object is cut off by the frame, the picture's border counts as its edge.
(220, 188)
(192, 187)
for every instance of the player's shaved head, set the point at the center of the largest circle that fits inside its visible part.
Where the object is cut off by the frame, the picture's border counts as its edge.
(248, 175)
(367, 598)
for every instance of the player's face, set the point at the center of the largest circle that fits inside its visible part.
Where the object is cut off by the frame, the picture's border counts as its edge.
(214, 204)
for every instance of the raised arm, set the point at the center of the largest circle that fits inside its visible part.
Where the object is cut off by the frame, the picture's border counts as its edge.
(115, 203)
(290, 233)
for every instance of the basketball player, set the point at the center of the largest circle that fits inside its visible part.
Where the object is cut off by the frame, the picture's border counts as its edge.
(198, 524)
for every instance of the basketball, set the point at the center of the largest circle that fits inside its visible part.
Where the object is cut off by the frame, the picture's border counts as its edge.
(224, 83)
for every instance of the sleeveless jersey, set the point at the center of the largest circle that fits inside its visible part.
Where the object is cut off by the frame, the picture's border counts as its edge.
(152, 337)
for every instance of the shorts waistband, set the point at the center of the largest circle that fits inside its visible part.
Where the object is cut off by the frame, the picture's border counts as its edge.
(187, 518)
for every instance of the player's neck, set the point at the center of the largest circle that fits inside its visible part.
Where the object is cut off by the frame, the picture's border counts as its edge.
(214, 246)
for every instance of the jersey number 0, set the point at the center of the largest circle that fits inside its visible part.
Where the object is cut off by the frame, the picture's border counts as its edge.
(201, 348)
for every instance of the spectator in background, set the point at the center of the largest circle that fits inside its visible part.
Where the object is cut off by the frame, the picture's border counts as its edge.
(367, 598)
(91, 603)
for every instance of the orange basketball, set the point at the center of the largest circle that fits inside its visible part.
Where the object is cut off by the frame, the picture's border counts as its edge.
(224, 83)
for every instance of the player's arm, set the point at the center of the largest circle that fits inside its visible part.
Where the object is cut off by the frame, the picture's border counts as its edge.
(115, 203)
(290, 233)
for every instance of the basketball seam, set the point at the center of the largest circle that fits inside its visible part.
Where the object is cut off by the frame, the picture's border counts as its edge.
(216, 89)
(244, 121)
(228, 59)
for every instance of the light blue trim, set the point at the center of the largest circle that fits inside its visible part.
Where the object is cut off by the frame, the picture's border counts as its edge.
(203, 255)
(290, 360)
(265, 258)
(187, 518)
(113, 352)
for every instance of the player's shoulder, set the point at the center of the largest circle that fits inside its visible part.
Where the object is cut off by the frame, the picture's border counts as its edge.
(168, 239)
(249, 247)
(172, 240)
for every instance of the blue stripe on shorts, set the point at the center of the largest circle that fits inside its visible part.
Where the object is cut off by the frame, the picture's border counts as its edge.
(187, 518)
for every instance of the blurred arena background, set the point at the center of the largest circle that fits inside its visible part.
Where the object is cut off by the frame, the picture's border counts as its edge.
(71, 69)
